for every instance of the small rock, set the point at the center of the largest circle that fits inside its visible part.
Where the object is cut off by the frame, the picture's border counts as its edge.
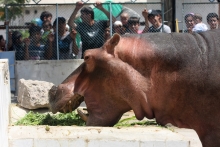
(33, 94)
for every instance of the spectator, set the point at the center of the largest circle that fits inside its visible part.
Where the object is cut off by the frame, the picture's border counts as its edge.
(118, 28)
(133, 25)
(124, 19)
(46, 16)
(212, 20)
(2, 43)
(36, 49)
(66, 42)
(189, 21)
(199, 25)
(154, 17)
(20, 46)
(91, 31)
(46, 31)
(107, 34)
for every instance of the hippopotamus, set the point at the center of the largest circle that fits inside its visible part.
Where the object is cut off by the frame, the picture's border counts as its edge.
(174, 78)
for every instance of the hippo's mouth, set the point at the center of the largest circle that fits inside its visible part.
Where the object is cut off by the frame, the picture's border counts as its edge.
(63, 103)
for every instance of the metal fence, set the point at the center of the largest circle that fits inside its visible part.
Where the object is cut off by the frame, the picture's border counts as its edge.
(193, 13)
(36, 45)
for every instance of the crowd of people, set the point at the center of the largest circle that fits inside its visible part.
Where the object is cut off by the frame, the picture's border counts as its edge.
(194, 22)
(45, 37)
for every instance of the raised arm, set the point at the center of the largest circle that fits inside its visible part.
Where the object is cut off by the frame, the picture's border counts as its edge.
(99, 6)
(145, 15)
(75, 49)
(49, 49)
(71, 23)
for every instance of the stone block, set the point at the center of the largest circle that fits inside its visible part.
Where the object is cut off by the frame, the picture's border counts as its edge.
(33, 94)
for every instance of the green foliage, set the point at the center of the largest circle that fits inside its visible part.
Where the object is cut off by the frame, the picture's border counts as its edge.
(12, 11)
(69, 119)
(60, 119)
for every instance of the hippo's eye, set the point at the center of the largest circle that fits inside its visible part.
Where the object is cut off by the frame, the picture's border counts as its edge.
(86, 57)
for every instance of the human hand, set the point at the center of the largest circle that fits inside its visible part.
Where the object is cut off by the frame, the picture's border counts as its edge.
(50, 37)
(73, 33)
(79, 5)
(98, 5)
(26, 41)
(145, 13)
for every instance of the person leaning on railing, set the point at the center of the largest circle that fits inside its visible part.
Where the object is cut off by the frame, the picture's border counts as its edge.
(91, 31)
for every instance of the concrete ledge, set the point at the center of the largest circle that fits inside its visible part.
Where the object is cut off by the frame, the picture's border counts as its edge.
(69, 136)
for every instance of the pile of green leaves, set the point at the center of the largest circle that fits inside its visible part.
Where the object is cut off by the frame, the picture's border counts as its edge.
(72, 118)
(61, 119)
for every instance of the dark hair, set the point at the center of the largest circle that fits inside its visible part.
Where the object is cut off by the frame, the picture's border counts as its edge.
(45, 14)
(133, 20)
(34, 29)
(88, 10)
(211, 15)
(15, 36)
(61, 20)
(159, 12)
(1, 37)
(188, 15)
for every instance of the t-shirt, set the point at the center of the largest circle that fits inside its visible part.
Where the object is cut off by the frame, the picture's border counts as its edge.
(65, 47)
(92, 36)
(19, 51)
(200, 27)
(36, 52)
(166, 29)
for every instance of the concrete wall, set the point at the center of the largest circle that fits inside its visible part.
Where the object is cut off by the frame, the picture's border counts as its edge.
(54, 71)
(4, 101)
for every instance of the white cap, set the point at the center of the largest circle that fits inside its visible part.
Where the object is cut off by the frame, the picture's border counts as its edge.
(117, 23)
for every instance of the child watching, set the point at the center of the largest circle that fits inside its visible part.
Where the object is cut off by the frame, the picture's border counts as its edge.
(36, 49)
(46, 31)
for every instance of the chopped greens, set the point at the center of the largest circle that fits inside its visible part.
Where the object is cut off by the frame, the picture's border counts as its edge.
(60, 119)
(72, 118)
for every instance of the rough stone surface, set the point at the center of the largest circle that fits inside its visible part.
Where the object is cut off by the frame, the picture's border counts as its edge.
(33, 94)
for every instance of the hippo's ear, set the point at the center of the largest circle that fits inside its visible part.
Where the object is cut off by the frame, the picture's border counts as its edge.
(113, 42)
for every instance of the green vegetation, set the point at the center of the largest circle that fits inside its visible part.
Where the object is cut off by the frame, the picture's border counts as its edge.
(61, 119)
(72, 118)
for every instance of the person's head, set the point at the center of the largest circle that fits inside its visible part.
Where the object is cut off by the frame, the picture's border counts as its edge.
(154, 18)
(45, 15)
(2, 42)
(133, 24)
(197, 18)
(16, 37)
(35, 33)
(87, 14)
(160, 15)
(124, 18)
(189, 20)
(46, 25)
(118, 27)
(212, 20)
(61, 24)
(107, 34)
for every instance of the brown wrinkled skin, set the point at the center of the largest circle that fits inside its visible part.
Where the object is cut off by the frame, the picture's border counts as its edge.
(174, 78)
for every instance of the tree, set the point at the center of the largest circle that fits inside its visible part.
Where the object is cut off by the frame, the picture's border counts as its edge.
(13, 10)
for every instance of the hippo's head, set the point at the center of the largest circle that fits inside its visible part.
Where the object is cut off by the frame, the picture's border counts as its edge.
(109, 87)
